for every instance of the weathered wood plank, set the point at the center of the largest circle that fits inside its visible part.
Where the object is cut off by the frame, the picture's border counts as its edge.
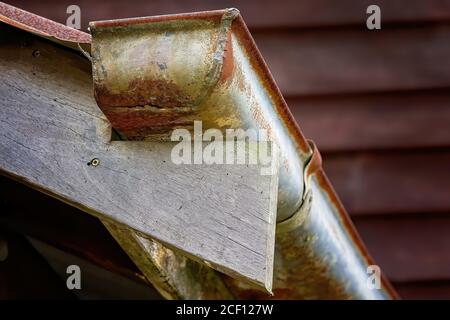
(66, 228)
(257, 13)
(375, 121)
(222, 214)
(60, 225)
(172, 274)
(407, 247)
(395, 182)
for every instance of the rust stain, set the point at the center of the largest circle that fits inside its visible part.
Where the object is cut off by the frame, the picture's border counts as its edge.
(158, 89)
(228, 61)
(136, 123)
(315, 163)
(36, 24)
(214, 16)
(308, 261)
(240, 29)
(303, 266)
(153, 92)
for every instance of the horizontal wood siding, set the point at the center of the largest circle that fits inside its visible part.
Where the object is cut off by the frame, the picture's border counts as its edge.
(376, 102)
(257, 13)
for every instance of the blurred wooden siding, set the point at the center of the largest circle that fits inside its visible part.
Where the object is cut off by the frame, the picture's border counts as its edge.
(377, 103)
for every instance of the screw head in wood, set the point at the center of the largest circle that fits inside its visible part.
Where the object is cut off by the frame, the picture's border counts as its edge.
(94, 162)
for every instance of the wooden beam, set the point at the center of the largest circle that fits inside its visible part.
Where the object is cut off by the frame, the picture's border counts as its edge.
(86, 238)
(174, 275)
(51, 129)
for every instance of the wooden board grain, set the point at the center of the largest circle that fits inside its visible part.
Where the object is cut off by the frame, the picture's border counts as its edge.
(354, 60)
(51, 129)
(66, 228)
(375, 121)
(391, 182)
(257, 13)
(410, 248)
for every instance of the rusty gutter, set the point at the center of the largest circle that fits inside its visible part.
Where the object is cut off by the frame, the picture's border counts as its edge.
(42, 27)
(154, 74)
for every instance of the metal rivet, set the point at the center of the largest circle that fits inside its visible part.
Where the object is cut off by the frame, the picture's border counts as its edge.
(94, 162)
(36, 53)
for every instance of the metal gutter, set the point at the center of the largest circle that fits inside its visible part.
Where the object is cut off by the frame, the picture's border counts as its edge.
(155, 74)
(158, 73)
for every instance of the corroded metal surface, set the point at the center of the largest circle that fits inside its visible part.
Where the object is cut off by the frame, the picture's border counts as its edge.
(41, 26)
(152, 75)
(318, 253)
(164, 71)
(72, 77)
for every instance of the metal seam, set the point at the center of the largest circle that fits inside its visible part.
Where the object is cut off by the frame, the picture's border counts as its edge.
(84, 52)
(314, 164)
(214, 74)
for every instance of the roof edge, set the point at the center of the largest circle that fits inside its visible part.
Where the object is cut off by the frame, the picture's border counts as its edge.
(42, 26)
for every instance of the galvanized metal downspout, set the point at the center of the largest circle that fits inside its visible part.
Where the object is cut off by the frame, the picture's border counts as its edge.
(318, 254)
(176, 80)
